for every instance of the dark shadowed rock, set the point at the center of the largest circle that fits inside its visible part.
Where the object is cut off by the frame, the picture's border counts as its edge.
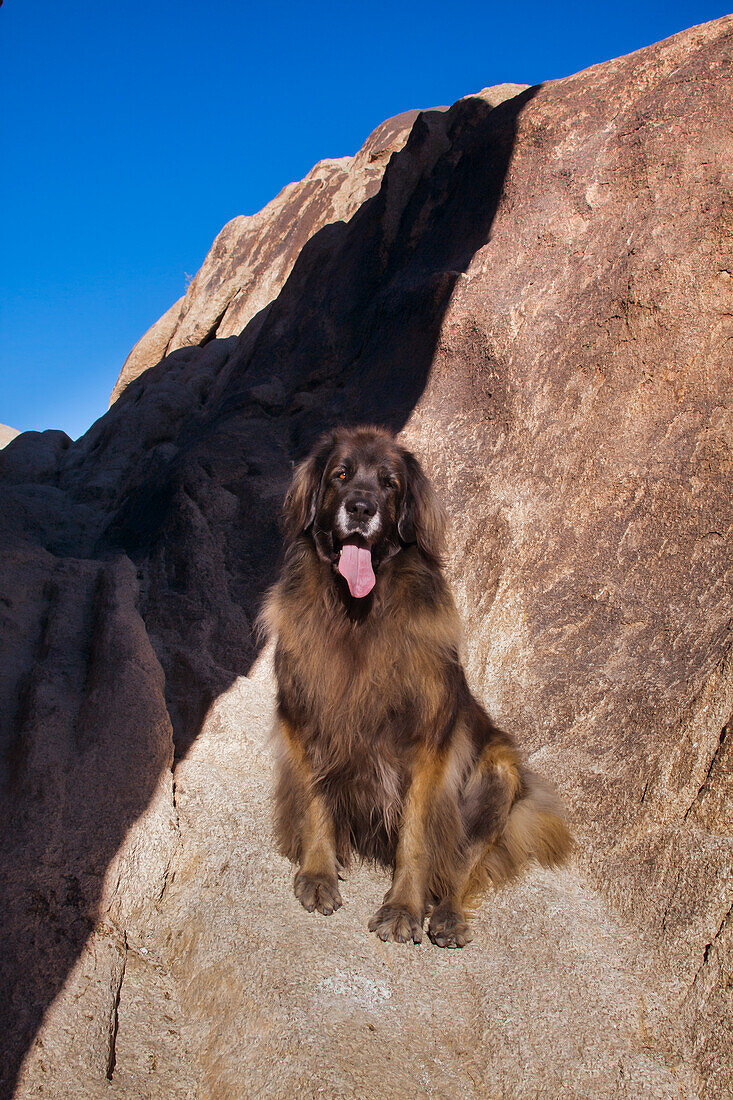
(537, 290)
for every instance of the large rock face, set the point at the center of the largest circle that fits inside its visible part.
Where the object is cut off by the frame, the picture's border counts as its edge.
(539, 295)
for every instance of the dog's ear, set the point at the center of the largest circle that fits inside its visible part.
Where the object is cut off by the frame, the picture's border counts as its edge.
(299, 508)
(422, 518)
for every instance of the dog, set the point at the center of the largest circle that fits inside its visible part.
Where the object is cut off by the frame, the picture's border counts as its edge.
(383, 751)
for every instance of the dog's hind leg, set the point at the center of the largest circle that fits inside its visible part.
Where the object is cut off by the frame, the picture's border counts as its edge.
(514, 817)
(535, 830)
(305, 828)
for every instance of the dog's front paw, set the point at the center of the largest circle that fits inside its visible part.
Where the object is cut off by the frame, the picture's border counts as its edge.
(447, 928)
(319, 892)
(394, 922)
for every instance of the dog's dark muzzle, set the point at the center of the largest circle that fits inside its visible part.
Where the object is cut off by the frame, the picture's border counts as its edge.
(359, 515)
(360, 507)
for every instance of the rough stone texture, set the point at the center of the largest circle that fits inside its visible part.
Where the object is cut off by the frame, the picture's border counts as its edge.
(6, 434)
(149, 349)
(539, 295)
(249, 995)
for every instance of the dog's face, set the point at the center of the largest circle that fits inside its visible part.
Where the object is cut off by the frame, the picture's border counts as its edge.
(361, 497)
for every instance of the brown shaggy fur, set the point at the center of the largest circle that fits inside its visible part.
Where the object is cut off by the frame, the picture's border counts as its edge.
(383, 750)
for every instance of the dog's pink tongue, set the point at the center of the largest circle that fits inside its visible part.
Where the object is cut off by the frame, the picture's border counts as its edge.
(355, 565)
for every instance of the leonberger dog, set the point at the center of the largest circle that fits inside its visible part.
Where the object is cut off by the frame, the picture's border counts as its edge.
(383, 750)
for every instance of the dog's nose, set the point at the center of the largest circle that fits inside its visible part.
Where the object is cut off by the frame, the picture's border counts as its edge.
(361, 508)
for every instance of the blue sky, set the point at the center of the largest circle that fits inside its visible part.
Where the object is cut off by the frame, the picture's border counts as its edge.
(132, 132)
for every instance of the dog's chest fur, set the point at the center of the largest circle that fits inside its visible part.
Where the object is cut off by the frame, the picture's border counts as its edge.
(346, 689)
(360, 693)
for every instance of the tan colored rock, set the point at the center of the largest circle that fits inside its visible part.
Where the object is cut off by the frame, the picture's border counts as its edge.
(149, 349)
(232, 990)
(499, 93)
(6, 434)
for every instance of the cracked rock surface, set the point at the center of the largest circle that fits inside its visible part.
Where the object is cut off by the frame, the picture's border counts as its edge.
(536, 287)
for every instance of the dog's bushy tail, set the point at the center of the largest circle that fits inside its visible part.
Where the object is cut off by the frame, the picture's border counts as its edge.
(535, 831)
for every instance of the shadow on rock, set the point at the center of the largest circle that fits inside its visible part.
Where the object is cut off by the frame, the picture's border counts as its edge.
(150, 542)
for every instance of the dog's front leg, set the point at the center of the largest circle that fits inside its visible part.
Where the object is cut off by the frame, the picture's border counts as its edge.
(316, 880)
(401, 916)
(305, 828)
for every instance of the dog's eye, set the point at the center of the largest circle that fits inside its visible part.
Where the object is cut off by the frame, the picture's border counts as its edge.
(340, 475)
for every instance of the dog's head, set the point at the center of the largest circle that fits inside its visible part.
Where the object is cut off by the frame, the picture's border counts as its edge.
(362, 498)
